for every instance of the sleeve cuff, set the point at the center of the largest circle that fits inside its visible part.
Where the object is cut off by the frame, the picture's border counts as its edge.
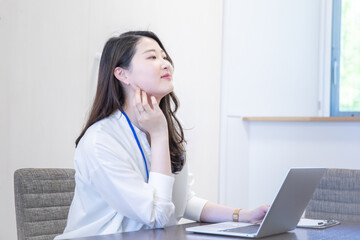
(163, 185)
(194, 208)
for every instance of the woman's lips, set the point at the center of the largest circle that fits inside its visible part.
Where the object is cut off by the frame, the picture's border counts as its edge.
(166, 76)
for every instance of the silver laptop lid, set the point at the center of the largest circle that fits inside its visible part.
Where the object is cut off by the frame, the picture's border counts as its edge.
(291, 200)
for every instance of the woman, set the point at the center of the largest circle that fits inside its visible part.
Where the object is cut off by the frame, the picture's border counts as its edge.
(131, 171)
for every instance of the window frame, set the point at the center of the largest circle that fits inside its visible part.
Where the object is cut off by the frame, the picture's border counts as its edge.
(335, 62)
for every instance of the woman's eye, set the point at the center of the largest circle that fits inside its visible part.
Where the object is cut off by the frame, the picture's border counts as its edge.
(154, 57)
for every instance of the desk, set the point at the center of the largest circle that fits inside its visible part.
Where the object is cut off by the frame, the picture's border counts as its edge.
(348, 231)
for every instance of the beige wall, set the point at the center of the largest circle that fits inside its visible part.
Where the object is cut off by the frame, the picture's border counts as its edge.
(48, 66)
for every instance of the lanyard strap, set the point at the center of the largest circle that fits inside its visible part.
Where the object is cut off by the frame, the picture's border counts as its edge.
(138, 143)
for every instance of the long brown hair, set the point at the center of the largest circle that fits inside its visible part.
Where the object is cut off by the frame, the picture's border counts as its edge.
(118, 52)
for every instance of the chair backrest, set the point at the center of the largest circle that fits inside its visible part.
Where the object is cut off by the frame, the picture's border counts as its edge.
(337, 196)
(42, 201)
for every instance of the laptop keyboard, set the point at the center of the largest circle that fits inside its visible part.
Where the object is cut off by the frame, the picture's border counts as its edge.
(246, 229)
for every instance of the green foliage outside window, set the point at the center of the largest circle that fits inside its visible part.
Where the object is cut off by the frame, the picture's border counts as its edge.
(350, 57)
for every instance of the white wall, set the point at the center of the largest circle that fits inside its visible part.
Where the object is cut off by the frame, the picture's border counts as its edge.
(48, 70)
(273, 65)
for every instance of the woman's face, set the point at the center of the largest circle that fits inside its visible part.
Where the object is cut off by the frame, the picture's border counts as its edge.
(150, 70)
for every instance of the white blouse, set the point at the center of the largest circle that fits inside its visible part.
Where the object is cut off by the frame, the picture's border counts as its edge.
(111, 193)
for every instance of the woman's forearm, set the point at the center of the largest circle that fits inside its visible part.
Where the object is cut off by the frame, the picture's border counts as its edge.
(213, 212)
(160, 154)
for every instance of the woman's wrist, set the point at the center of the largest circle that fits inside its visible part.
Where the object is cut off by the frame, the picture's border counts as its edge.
(235, 215)
(243, 215)
(160, 136)
(160, 153)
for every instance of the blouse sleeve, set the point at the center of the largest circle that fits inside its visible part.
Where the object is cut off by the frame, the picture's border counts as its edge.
(194, 204)
(121, 185)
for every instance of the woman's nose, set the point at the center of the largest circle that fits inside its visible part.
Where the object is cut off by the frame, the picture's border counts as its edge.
(166, 64)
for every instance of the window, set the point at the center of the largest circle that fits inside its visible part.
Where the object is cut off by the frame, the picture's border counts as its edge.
(345, 58)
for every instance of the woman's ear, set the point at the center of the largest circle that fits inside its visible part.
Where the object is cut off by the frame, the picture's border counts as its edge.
(120, 75)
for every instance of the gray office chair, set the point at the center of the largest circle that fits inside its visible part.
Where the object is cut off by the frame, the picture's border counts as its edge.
(337, 196)
(42, 201)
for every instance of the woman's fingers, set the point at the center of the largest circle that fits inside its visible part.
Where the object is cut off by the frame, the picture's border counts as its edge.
(154, 102)
(138, 102)
(148, 114)
(145, 102)
(142, 103)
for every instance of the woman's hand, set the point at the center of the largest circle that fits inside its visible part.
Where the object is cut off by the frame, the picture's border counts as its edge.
(256, 215)
(151, 119)
(148, 114)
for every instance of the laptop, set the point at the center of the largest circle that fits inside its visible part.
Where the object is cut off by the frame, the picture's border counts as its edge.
(283, 214)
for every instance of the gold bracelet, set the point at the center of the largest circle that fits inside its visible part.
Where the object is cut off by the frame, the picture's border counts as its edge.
(235, 215)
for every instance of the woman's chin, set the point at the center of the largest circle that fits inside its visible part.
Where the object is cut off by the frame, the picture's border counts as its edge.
(160, 95)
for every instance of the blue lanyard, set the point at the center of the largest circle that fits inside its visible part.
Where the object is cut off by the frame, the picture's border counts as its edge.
(138, 143)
